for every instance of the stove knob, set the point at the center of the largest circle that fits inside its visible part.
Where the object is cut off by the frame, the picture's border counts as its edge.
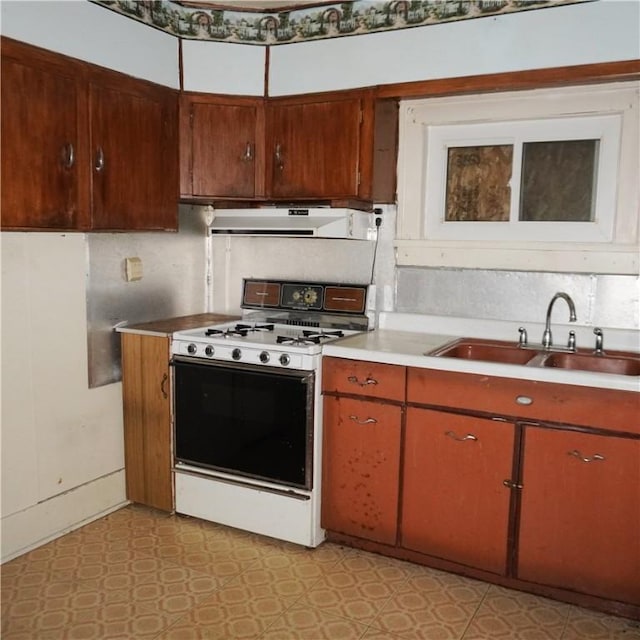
(285, 359)
(236, 354)
(264, 357)
(192, 348)
(209, 350)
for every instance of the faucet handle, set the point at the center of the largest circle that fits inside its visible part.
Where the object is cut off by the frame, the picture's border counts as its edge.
(571, 344)
(599, 341)
(522, 341)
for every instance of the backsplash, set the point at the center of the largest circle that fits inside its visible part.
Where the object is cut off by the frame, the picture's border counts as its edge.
(601, 300)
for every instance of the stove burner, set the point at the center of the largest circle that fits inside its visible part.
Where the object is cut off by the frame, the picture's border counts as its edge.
(323, 335)
(298, 340)
(227, 333)
(254, 327)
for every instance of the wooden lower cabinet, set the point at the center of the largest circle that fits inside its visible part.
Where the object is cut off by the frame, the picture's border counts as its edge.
(580, 513)
(545, 500)
(454, 503)
(361, 468)
(147, 420)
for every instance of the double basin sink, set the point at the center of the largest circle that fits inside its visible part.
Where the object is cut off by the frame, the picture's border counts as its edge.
(611, 362)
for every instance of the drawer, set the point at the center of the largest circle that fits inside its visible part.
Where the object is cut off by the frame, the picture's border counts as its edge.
(358, 377)
(526, 399)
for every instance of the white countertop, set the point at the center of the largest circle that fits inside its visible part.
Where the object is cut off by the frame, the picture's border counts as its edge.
(391, 345)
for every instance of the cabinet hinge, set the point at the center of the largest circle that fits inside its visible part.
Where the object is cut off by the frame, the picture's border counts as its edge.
(511, 485)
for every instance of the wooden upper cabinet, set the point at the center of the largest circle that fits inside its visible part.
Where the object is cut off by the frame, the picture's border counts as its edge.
(221, 147)
(83, 147)
(134, 155)
(314, 148)
(324, 147)
(42, 143)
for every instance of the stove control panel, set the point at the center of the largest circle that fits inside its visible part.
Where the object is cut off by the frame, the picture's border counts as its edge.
(304, 296)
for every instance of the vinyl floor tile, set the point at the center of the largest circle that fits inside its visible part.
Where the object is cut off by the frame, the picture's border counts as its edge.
(143, 574)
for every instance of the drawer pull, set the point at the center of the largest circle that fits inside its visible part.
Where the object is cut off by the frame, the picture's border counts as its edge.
(366, 421)
(596, 457)
(451, 434)
(163, 390)
(368, 381)
(524, 400)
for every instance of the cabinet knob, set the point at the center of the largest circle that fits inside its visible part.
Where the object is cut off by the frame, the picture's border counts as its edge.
(524, 400)
(596, 457)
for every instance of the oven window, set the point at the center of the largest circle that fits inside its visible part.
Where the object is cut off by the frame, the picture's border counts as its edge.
(245, 421)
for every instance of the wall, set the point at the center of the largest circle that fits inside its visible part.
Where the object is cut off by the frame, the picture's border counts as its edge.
(89, 32)
(62, 447)
(553, 37)
(601, 301)
(173, 284)
(214, 67)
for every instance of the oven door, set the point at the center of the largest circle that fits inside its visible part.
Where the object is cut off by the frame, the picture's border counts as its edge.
(243, 420)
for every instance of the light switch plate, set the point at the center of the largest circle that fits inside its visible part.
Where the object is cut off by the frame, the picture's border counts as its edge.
(133, 269)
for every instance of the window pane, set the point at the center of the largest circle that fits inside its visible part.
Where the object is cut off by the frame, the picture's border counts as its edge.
(558, 181)
(478, 183)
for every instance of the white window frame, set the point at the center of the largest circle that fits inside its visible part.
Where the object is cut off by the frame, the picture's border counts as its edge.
(609, 112)
(606, 129)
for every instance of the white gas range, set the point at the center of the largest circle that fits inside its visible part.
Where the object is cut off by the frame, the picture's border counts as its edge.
(248, 410)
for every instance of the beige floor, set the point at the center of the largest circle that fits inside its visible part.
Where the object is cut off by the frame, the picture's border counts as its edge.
(142, 574)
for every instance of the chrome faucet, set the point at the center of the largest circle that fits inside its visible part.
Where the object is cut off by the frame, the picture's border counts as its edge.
(546, 336)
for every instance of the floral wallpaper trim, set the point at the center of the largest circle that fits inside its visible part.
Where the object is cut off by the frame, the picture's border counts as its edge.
(312, 23)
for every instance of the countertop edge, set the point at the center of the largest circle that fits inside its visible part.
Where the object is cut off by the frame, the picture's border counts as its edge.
(408, 349)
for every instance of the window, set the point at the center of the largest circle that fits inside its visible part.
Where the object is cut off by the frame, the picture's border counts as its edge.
(548, 180)
(534, 180)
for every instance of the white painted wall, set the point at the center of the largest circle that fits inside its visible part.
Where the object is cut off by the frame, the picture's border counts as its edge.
(57, 434)
(553, 37)
(216, 67)
(84, 30)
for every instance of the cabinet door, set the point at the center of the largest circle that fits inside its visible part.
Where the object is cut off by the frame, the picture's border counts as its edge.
(361, 468)
(134, 155)
(40, 146)
(147, 420)
(454, 504)
(314, 149)
(580, 514)
(221, 150)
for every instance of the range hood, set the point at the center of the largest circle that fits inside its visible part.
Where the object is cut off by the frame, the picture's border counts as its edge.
(315, 222)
